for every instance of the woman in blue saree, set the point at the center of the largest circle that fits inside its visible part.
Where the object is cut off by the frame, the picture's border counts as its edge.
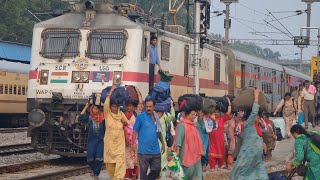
(250, 164)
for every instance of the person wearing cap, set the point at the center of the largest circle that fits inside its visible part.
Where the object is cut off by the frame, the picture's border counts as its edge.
(308, 103)
(153, 60)
(165, 119)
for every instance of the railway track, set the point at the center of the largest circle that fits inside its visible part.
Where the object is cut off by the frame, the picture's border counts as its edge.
(45, 169)
(16, 149)
(12, 130)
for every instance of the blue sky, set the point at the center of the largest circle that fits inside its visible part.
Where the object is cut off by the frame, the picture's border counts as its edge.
(252, 13)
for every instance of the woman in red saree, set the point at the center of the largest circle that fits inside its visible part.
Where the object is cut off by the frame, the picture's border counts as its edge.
(217, 139)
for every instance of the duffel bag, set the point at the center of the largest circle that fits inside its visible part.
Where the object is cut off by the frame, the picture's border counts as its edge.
(133, 94)
(120, 96)
(195, 99)
(209, 105)
(160, 92)
(244, 100)
(162, 107)
(104, 93)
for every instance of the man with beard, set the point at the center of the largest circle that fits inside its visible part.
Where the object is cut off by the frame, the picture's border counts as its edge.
(148, 129)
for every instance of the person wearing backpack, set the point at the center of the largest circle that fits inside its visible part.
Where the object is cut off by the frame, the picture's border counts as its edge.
(165, 120)
(306, 151)
(289, 109)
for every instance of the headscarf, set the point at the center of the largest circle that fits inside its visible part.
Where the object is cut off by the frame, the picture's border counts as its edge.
(99, 116)
(258, 129)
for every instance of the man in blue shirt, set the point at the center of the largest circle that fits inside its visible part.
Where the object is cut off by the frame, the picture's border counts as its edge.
(154, 60)
(148, 129)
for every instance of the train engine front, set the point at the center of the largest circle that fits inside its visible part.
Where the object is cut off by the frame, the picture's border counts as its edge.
(73, 56)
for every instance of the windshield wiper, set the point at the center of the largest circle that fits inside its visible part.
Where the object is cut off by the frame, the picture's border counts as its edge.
(65, 48)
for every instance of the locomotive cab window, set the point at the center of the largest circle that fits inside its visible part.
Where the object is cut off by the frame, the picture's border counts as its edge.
(106, 44)
(60, 43)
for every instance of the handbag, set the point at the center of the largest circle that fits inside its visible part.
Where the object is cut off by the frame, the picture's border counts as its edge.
(302, 168)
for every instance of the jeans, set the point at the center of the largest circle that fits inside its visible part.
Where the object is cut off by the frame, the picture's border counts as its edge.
(95, 166)
(149, 160)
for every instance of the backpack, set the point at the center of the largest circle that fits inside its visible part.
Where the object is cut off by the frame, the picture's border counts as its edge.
(169, 137)
(315, 139)
(279, 134)
(160, 92)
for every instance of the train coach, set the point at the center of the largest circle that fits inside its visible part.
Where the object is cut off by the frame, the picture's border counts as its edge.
(14, 69)
(82, 52)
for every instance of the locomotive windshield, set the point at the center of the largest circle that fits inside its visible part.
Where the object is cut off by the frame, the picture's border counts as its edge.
(104, 44)
(59, 43)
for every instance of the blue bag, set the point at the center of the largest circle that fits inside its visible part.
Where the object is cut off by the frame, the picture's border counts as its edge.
(301, 118)
(105, 93)
(160, 92)
(163, 106)
(120, 96)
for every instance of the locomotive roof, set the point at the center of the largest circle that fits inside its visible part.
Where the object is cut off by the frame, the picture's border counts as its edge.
(16, 67)
(15, 51)
(101, 21)
(241, 56)
(296, 73)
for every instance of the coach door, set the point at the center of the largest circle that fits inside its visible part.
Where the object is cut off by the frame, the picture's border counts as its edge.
(243, 76)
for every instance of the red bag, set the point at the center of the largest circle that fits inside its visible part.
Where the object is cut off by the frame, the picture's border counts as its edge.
(134, 98)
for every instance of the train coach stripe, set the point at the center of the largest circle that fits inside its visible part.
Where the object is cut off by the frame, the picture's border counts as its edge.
(58, 81)
(12, 101)
(59, 74)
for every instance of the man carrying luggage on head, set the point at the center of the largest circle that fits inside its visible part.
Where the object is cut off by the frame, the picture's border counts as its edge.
(154, 60)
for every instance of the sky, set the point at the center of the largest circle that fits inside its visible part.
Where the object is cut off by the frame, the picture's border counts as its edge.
(251, 14)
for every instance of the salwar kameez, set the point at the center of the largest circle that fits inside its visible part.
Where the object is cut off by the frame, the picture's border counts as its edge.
(114, 143)
(313, 157)
(216, 143)
(194, 170)
(250, 161)
(165, 120)
(205, 139)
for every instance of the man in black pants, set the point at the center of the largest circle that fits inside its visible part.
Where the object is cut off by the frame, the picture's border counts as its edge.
(148, 129)
(154, 60)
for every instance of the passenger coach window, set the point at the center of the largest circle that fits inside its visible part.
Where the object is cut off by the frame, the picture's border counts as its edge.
(165, 50)
(6, 88)
(10, 88)
(19, 89)
(1, 88)
(104, 44)
(59, 43)
(217, 69)
(23, 90)
(144, 54)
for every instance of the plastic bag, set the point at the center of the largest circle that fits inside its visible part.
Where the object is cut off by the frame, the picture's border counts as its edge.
(175, 168)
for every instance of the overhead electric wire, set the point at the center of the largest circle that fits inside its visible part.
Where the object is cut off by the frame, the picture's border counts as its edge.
(280, 23)
(285, 17)
(252, 9)
(277, 29)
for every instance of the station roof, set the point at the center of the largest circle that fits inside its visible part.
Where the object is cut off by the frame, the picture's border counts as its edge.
(13, 51)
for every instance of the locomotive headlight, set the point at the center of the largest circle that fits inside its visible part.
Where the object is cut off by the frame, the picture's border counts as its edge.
(80, 76)
(85, 77)
(44, 75)
(76, 77)
(117, 75)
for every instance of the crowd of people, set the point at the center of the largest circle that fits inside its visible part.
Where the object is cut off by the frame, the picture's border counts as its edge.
(133, 142)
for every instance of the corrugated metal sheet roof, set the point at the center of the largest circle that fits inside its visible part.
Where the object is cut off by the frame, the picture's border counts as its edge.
(15, 51)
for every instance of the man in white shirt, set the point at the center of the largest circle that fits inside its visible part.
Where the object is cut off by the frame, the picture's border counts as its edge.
(308, 103)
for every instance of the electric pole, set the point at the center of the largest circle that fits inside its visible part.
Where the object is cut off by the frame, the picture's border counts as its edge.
(196, 45)
(227, 24)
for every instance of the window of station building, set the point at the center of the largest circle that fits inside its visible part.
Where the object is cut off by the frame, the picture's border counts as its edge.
(106, 44)
(165, 50)
(1, 89)
(19, 90)
(10, 89)
(217, 68)
(59, 43)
